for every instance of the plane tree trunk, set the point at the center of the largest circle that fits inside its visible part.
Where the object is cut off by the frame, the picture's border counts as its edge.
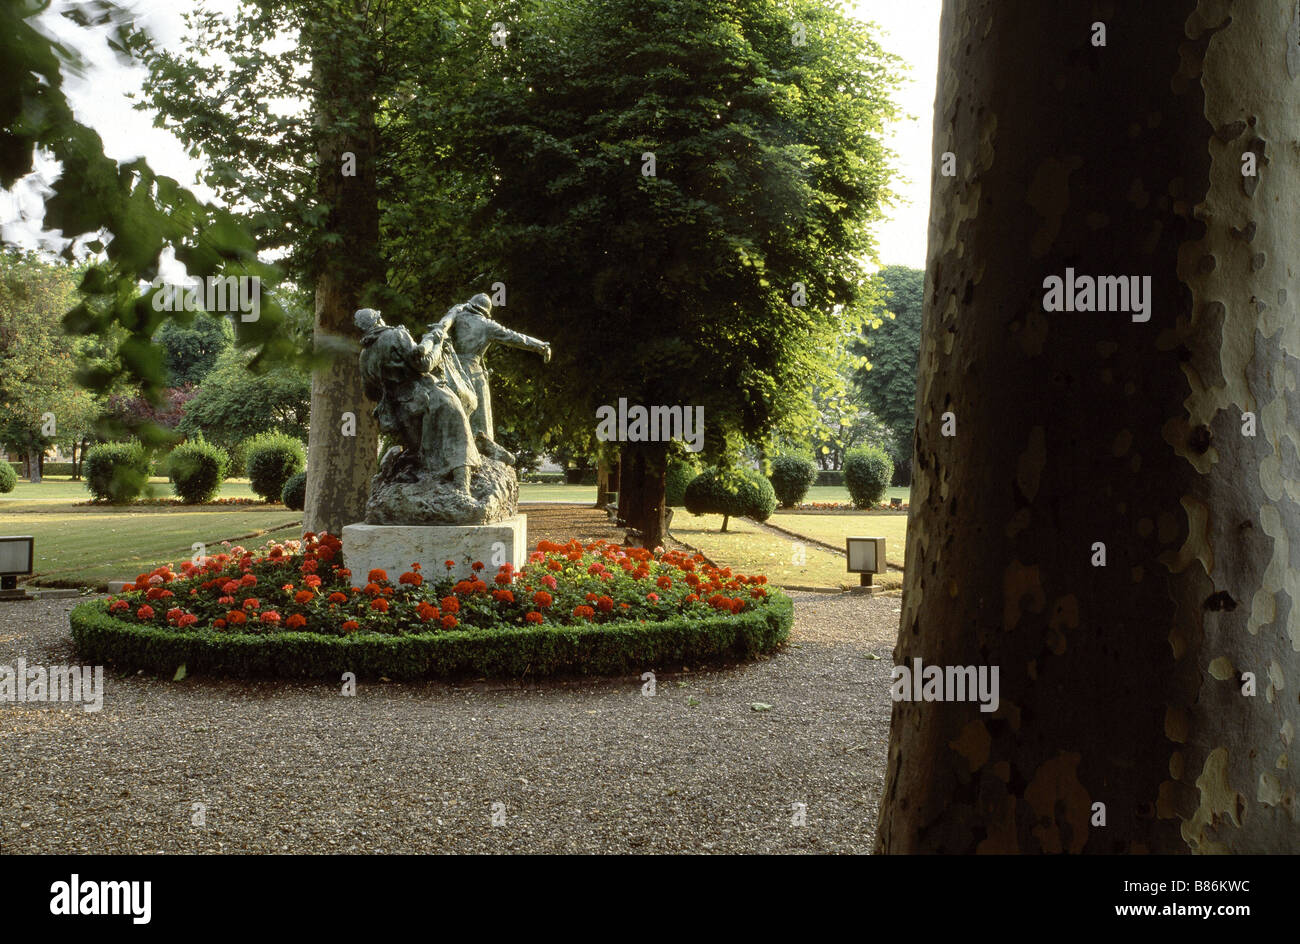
(1125, 721)
(339, 465)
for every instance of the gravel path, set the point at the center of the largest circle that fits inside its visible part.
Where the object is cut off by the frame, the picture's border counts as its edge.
(579, 766)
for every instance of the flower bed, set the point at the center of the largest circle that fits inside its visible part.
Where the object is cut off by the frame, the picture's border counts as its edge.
(290, 610)
(848, 506)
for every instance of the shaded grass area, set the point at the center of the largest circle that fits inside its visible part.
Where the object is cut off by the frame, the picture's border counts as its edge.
(749, 548)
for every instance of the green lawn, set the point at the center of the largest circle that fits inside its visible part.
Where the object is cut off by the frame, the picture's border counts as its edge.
(87, 545)
(84, 545)
(749, 548)
(833, 529)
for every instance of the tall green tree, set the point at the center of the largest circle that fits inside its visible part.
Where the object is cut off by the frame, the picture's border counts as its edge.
(328, 183)
(886, 381)
(679, 198)
(40, 402)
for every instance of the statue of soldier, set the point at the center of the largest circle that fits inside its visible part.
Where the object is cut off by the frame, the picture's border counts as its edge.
(472, 332)
(420, 400)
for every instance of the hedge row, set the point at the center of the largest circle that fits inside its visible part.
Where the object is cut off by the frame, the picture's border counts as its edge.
(592, 649)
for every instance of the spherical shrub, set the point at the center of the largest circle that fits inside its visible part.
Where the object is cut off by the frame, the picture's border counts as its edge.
(738, 492)
(273, 458)
(8, 477)
(116, 472)
(680, 473)
(791, 478)
(294, 496)
(197, 469)
(867, 472)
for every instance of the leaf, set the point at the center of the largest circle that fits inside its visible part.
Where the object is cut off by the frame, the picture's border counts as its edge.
(760, 706)
(180, 673)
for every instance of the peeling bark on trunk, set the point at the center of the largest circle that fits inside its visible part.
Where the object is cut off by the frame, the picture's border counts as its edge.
(339, 467)
(1119, 684)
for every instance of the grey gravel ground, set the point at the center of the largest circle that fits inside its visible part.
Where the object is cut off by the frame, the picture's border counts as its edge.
(579, 766)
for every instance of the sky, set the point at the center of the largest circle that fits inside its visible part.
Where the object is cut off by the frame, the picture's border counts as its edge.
(910, 29)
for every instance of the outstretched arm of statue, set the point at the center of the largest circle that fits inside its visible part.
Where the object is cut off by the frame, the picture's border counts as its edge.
(503, 335)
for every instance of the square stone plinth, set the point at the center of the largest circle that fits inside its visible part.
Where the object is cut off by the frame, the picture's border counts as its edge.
(394, 547)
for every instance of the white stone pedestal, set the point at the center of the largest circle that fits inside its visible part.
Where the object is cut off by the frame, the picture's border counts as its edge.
(393, 548)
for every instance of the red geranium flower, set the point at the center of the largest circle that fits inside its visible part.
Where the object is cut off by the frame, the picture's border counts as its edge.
(303, 596)
(542, 599)
(380, 604)
(145, 612)
(378, 575)
(534, 617)
(411, 578)
(450, 605)
(351, 626)
(583, 612)
(270, 616)
(449, 622)
(337, 597)
(296, 621)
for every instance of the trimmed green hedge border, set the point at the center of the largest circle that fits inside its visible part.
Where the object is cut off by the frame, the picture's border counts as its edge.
(592, 649)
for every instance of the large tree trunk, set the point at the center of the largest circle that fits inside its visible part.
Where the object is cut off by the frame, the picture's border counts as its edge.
(1119, 684)
(642, 472)
(339, 466)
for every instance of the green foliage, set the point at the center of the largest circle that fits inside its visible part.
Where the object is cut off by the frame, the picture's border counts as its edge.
(38, 362)
(192, 351)
(93, 194)
(791, 478)
(889, 386)
(769, 168)
(116, 472)
(680, 473)
(236, 401)
(294, 494)
(867, 472)
(507, 652)
(731, 492)
(197, 469)
(273, 458)
(8, 478)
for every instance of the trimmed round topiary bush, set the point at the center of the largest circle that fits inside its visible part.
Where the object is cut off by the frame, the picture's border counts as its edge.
(273, 458)
(116, 472)
(197, 469)
(740, 493)
(680, 474)
(867, 472)
(791, 478)
(8, 478)
(290, 611)
(294, 495)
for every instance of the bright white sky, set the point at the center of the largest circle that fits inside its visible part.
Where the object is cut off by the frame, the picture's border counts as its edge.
(910, 30)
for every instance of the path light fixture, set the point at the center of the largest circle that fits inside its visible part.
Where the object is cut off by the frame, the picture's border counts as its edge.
(15, 560)
(866, 557)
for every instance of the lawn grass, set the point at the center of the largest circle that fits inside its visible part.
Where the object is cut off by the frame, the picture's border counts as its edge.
(748, 548)
(87, 545)
(80, 545)
(833, 529)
